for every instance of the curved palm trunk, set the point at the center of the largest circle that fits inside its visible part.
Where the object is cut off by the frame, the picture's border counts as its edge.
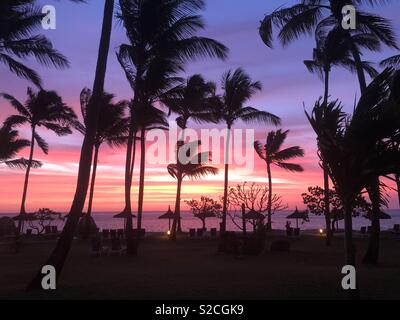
(91, 192)
(177, 207)
(178, 213)
(269, 210)
(141, 179)
(26, 182)
(59, 255)
(372, 254)
(359, 68)
(226, 181)
(129, 165)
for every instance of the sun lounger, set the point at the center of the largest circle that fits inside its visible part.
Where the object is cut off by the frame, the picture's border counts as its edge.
(29, 232)
(113, 234)
(116, 247)
(120, 233)
(192, 233)
(47, 230)
(96, 247)
(213, 232)
(54, 229)
(141, 233)
(396, 227)
(363, 230)
(105, 234)
(200, 232)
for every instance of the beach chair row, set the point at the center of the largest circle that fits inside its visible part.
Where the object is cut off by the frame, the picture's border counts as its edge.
(200, 232)
(109, 234)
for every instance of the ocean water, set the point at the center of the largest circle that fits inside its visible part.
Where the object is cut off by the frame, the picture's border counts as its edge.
(152, 224)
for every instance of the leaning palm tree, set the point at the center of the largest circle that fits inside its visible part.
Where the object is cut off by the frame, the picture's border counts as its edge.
(42, 109)
(272, 154)
(187, 166)
(60, 253)
(162, 34)
(18, 20)
(393, 61)
(195, 100)
(112, 129)
(238, 89)
(10, 145)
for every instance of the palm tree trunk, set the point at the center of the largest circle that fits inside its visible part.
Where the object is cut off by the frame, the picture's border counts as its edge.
(178, 213)
(177, 207)
(59, 255)
(325, 169)
(226, 181)
(141, 179)
(397, 177)
(25, 192)
(348, 235)
(269, 211)
(91, 192)
(372, 254)
(130, 160)
(92, 183)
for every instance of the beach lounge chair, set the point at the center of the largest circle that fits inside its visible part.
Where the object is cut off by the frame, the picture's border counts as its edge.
(296, 232)
(363, 230)
(213, 232)
(116, 247)
(396, 227)
(369, 229)
(47, 230)
(96, 247)
(113, 234)
(105, 234)
(192, 233)
(120, 233)
(54, 229)
(140, 232)
(200, 232)
(28, 232)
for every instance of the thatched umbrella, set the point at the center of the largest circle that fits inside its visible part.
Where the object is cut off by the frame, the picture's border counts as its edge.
(168, 215)
(298, 215)
(123, 215)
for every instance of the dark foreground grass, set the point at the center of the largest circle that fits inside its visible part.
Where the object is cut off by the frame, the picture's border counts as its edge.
(194, 270)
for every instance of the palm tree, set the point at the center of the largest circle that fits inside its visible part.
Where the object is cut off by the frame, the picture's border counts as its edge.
(18, 20)
(193, 168)
(42, 109)
(112, 128)
(238, 89)
(194, 100)
(358, 150)
(393, 61)
(59, 255)
(272, 154)
(310, 16)
(10, 145)
(333, 49)
(162, 39)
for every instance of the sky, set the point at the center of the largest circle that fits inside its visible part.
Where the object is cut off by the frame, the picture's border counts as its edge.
(287, 89)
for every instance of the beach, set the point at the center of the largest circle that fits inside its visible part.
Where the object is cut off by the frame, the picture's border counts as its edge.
(192, 269)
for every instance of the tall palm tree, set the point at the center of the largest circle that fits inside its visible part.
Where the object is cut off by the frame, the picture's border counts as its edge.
(194, 100)
(308, 16)
(393, 61)
(162, 39)
(193, 168)
(238, 89)
(60, 253)
(42, 109)
(112, 129)
(333, 49)
(10, 145)
(272, 154)
(18, 19)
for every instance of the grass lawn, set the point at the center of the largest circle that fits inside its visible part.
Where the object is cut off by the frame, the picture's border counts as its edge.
(192, 269)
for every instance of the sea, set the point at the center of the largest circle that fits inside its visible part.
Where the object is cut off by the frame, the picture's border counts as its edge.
(151, 223)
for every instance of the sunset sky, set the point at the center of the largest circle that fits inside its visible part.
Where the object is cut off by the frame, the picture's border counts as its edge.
(286, 86)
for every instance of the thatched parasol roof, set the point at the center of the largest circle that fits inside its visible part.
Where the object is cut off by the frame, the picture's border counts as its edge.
(253, 215)
(123, 215)
(298, 215)
(168, 215)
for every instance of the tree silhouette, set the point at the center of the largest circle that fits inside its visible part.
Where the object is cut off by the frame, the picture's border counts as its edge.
(238, 89)
(272, 154)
